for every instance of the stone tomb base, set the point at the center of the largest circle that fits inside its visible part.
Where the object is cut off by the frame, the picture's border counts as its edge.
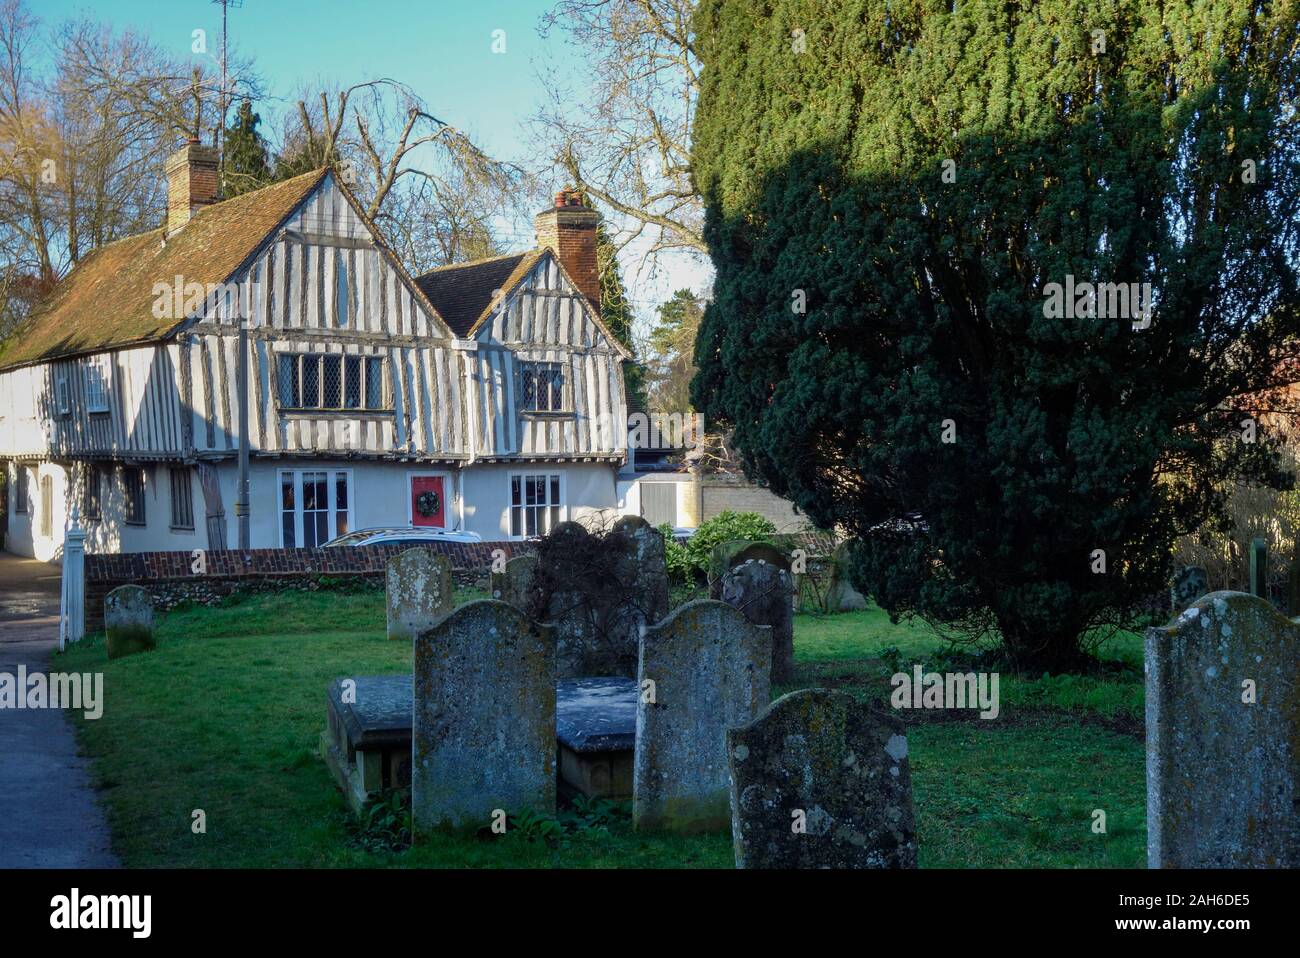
(367, 741)
(595, 725)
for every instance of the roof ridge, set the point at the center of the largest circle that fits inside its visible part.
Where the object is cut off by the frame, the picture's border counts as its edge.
(108, 300)
(480, 261)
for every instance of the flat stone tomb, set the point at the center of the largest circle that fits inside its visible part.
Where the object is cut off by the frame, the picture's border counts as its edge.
(367, 744)
(595, 725)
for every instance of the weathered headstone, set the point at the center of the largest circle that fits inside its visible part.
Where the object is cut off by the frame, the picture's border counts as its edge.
(1189, 585)
(841, 596)
(419, 592)
(483, 718)
(642, 571)
(765, 594)
(1223, 737)
(517, 584)
(1259, 567)
(128, 621)
(597, 592)
(702, 670)
(821, 781)
(727, 555)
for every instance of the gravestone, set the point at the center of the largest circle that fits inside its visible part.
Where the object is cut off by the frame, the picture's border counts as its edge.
(764, 592)
(483, 718)
(517, 584)
(727, 555)
(642, 569)
(598, 593)
(702, 670)
(821, 781)
(128, 621)
(1189, 585)
(1223, 737)
(1259, 567)
(841, 596)
(419, 592)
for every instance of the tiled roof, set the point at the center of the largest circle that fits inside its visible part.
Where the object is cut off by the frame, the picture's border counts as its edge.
(462, 292)
(108, 299)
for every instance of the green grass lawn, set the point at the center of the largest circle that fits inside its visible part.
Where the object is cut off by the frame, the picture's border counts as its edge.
(226, 714)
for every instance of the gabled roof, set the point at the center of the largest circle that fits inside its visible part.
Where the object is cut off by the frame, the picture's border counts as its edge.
(462, 292)
(108, 299)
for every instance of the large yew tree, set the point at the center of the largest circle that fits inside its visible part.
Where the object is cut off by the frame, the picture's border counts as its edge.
(891, 188)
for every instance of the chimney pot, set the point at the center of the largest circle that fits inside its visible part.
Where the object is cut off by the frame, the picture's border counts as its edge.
(568, 229)
(191, 182)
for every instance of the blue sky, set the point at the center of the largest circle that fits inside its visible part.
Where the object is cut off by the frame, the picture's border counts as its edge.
(441, 48)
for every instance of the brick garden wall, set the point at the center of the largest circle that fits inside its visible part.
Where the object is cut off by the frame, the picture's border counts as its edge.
(169, 576)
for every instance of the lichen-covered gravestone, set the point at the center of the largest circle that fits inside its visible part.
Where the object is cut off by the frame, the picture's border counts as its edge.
(517, 584)
(483, 718)
(725, 556)
(702, 670)
(418, 592)
(128, 621)
(1189, 585)
(821, 781)
(764, 592)
(1223, 737)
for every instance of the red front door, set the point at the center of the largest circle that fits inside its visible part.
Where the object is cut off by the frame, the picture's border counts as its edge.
(428, 502)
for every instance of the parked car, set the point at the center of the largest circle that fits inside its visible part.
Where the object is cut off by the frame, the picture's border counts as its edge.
(401, 536)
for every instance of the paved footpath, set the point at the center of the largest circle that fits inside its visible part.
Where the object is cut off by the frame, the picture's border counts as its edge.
(49, 817)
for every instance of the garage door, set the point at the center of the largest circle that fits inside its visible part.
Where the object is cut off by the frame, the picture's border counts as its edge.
(659, 503)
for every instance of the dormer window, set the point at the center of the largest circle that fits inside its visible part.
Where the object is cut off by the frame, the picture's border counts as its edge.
(543, 387)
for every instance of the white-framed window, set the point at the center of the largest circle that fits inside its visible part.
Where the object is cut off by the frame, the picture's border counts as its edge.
(22, 495)
(332, 381)
(536, 503)
(97, 384)
(62, 397)
(542, 387)
(315, 506)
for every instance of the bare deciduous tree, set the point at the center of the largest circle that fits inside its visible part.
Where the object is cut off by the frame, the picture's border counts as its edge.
(630, 146)
(426, 185)
(83, 134)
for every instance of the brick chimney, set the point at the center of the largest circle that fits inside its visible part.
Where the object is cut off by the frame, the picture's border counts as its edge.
(191, 182)
(569, 228)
